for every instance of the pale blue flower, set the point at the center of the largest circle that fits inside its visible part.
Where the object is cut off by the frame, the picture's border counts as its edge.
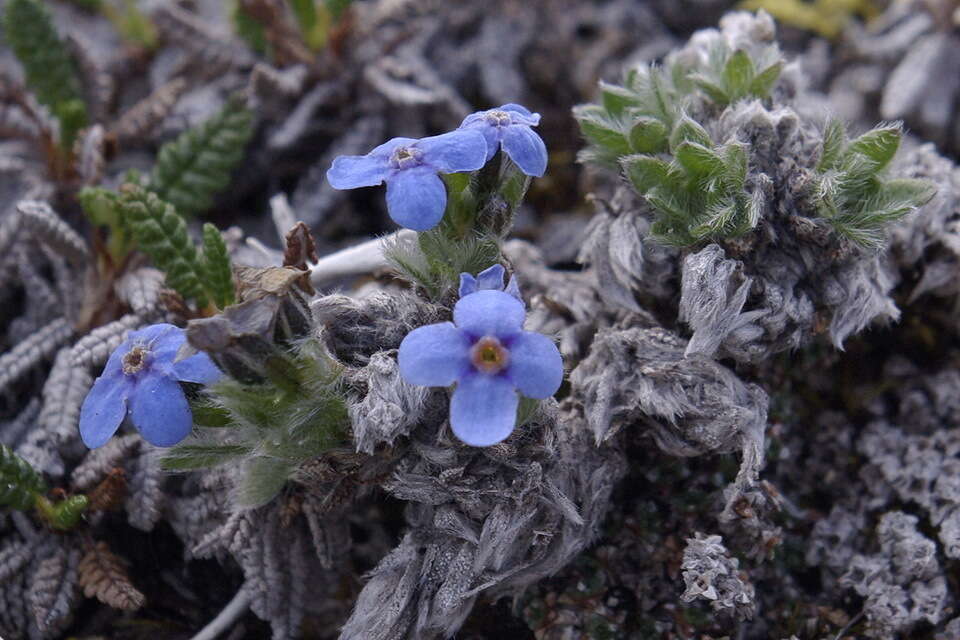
(489, 278)
(416, 196)
(509, 127)
(141, 380)
(491, 358)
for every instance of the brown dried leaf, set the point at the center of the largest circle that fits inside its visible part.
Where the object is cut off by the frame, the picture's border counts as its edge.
(301, 248)
(103, 576)
(110, 493)
(142, 118)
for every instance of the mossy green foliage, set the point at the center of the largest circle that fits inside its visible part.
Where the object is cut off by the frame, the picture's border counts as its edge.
(48, 68)
(699, 194)
(852, 192)
(20, 484)
(480, 210)
(162, 234)
(215, 264)
(137, 218)
(65, 514)
(824, 17)
(196, 166)
(269, 429)
(133, 25)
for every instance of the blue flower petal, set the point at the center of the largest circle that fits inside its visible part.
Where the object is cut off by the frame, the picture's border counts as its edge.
(460, 150)
(526, 149)
(197, 368)
(517, 108)
(468, 284)
(535, 368)
(513, 288)
(472, 119)
(491, 278)
(483, 409)
(434, 356)
(521, 115)
(491, 134)
(416, 198)
(489, 313)
(350, 172)
(164, 340)
(159, 410)
(104, 408)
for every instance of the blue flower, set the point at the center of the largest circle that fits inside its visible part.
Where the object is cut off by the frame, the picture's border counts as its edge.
(488, 354)
(509, 126)
(416, 196)
(140, 379)
(489, 278)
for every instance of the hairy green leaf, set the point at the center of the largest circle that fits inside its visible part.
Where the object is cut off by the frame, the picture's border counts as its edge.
(601, 129)
(196, 166)
(879, 145)
(763, 83)
(648, 135)
(738, 74)
(689, 130)
(188, 457)
(834, 142)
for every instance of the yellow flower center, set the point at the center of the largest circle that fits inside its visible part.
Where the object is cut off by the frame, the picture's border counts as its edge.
(489, 356)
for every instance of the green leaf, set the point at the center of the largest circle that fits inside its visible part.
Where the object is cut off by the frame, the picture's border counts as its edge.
(714, 91)
(738, 74)
(648, 135)
(617, 99)
(601, 130)
(251, 31)
(262, 480)
(196, 166)
(65, 514)
(20, 485)
(645, 172)
(689, 130)
(188, 457)
(834, 141)
(879, 145)
(907, 190)
(49, 71)
(216, 267)
(763, 83)
(102, 208)
(700, 160)
(336, 7)
(162, 234)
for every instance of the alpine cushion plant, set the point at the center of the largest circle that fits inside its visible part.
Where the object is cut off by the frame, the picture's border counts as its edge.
(416, 196)
(509, 127)
(488, 354)
(142, 379)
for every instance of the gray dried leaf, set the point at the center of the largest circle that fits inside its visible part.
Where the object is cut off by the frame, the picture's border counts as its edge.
(34, 349)
(93, 349)
(710, 573)
(145, 485)
(142, 119)
(140, 289)
(101, 461)
(45, 225)
(53, 589)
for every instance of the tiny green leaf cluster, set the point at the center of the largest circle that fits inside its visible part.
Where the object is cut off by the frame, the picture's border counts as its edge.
(196, 166)
(850, 190)
(162, 234)
(480, 210)
(269, 429)
(730, 76)
(19, 483)
(699, 194)
(48, 68)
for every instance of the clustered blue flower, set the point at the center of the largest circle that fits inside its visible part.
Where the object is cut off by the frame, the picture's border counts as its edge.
(486, 352)
(141, 379)
(416, 195)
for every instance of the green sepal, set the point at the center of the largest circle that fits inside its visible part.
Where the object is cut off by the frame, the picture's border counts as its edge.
(190, 457)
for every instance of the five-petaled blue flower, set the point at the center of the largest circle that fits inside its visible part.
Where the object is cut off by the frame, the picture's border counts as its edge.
(416, 196)
(509, 126)
(140, 379)
(488, 354)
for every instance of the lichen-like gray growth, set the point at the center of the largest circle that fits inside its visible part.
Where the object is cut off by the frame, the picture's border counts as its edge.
(711, 574)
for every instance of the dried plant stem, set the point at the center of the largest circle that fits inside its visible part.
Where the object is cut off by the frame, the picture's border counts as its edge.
(362, 258)
(234, 609)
